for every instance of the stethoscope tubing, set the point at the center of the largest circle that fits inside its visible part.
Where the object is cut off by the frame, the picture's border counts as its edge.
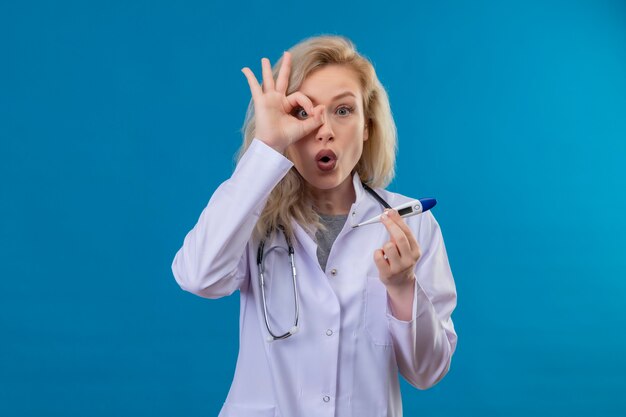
(294, 328)
(292, 263)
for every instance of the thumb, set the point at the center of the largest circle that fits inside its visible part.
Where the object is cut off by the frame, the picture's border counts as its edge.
(317, 119)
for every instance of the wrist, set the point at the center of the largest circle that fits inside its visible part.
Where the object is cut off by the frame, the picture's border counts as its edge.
(402, 290)
(278, 147)
(399, 285)
(401, 300)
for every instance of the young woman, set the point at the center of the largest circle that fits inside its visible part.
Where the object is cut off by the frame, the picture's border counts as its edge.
(329, 313)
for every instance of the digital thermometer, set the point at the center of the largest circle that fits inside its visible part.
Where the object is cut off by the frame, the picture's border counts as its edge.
(406, 210)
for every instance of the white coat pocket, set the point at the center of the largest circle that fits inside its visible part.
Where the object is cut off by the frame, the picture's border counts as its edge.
(241, 410)
(376, 322)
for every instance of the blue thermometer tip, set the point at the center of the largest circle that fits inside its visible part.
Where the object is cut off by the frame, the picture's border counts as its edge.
(427, 203)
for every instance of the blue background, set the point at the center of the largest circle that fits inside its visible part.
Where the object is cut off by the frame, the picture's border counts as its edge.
(118, 119)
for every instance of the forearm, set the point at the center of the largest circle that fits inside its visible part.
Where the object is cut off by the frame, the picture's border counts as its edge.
(213, 249)
(422, 345)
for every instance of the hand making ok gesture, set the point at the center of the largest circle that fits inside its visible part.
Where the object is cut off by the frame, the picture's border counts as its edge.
(275, 124)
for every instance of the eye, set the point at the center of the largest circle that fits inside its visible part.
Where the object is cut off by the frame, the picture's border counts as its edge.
(344, 111)
(299, 113)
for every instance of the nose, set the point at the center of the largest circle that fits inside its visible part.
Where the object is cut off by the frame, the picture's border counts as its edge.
(325, 132)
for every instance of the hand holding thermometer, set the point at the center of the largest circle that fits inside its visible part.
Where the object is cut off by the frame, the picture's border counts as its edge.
(406, 210)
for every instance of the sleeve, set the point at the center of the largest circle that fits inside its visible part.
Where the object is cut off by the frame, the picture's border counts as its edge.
(212, 262)
(424, 346)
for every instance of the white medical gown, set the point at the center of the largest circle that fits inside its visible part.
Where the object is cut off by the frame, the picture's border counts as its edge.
(345, 358)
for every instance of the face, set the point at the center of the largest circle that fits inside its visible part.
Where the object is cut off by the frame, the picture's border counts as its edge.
(326, 157)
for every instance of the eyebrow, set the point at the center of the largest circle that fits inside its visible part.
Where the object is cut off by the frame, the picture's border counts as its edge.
(338, 96)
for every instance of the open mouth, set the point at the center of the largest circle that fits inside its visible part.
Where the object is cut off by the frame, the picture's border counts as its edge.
(326, 160)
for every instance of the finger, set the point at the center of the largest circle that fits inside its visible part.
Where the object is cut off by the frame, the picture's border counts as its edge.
(395, 216)
(268, 78)
(384, 270)
(396, 233)
(255, 88)
(414, 246)
(315, 114)
(312, 123)
(297, 99)
(282, 81)
(390, 251)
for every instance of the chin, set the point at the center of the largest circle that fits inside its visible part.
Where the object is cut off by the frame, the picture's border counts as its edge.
(325, 181)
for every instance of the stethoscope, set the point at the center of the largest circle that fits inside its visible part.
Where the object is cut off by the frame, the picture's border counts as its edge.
(259, 260)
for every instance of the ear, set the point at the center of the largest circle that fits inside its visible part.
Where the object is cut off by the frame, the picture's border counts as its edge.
(366, 130)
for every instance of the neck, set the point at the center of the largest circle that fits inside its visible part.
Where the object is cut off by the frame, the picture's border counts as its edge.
(335, 201)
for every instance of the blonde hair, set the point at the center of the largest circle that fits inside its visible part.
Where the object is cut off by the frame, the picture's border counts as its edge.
(290, 199)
